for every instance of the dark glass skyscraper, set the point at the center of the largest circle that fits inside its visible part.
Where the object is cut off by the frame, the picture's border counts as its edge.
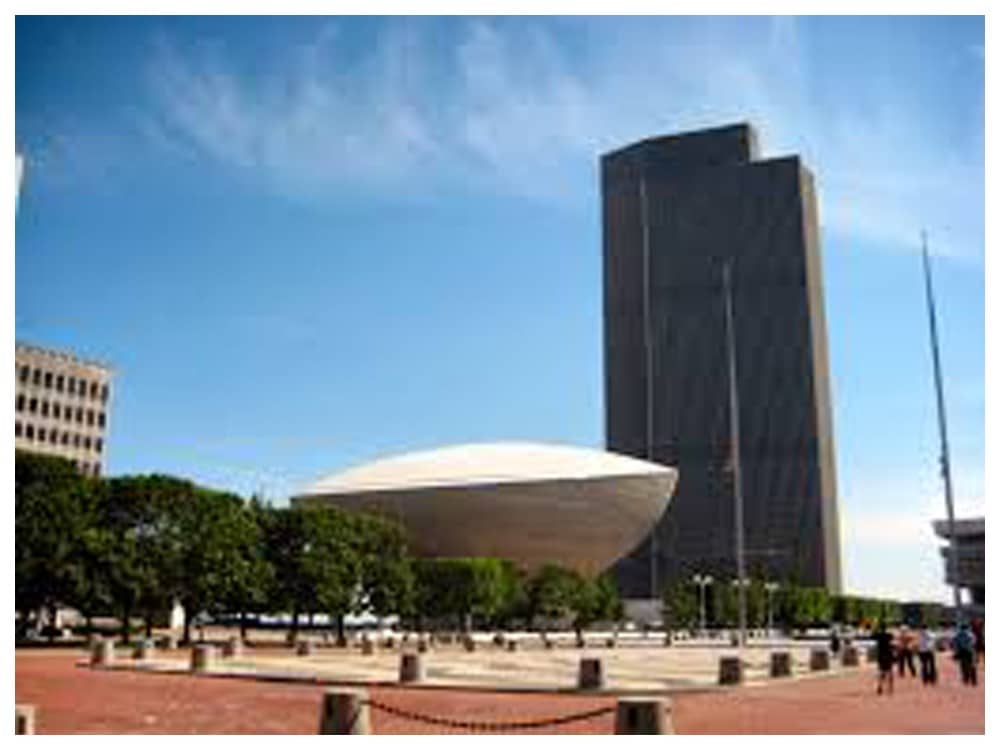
(676, 208)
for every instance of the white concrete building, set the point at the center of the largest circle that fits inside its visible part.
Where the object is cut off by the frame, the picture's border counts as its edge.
(62, 405)
(528, 503)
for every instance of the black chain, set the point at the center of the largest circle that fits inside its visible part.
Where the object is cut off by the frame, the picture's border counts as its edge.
(486, 726)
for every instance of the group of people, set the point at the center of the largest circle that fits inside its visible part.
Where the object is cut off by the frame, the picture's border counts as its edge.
(897, 650)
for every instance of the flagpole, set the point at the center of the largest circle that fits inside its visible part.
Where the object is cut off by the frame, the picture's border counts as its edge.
(648, 344)
(734, 437)
(943, 430)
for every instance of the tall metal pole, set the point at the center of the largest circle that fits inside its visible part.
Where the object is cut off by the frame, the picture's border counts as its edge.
(702, 581)
(770, 587)
(943, 429)
(648, 344)
(701, 603)
(734, 436)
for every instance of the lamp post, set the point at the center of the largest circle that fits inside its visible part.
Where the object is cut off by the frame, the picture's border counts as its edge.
(770, 587)
(741, 585)
(734, 450)
(702, 582)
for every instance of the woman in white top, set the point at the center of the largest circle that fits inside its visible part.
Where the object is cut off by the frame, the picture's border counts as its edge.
(925, 649)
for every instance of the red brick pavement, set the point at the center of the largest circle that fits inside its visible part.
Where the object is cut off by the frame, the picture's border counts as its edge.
(839, 705)
(73, 700)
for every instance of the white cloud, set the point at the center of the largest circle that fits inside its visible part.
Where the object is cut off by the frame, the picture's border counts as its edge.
(888, 544)
(511, 107)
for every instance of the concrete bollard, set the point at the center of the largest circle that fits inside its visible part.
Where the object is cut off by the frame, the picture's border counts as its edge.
(590, 675)
(345, 712)
(305, 647)
(849, 657)
(781, 664)
(730, 670)
(512, 645)
(202, 657)
(143, 649)
(102, 653)
(24, 719)
(411, 668)
(644, 716)
(819, 659)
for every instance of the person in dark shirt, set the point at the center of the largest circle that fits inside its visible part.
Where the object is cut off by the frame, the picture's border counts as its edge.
(885, 658)
(964, 645)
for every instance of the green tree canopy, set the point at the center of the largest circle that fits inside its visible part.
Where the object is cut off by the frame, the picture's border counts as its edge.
(54, 507)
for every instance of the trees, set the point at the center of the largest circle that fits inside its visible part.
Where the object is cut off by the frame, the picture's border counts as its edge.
(53, 509)
(550, 593)
(386, 578)
(514, 595)
(680, 605)
(142, 570)
(593, 600)
(211, 537)
(332, 561)
(460, 588)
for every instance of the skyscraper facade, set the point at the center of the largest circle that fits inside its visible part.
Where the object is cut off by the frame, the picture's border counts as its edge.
(676, 210)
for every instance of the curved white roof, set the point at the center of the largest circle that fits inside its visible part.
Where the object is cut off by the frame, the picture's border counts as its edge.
(481, 464)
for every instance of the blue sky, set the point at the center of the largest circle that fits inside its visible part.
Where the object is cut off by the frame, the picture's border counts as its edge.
(305, 243)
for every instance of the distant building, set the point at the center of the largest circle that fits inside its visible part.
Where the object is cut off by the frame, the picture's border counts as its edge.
(970, 541)
(61, 406)
(676, 209)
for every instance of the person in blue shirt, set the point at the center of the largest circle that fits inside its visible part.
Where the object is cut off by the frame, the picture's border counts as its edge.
(964, 645)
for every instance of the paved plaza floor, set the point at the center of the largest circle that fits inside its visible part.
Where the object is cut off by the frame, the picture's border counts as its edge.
(634, 664)
(74, 699)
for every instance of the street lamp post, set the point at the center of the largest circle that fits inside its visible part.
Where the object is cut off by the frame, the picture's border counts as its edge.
(741, 585)
(702, 582)
(734, 453)
(770, 587)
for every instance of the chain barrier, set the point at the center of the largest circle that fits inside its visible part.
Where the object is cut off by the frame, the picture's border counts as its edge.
(490, 726)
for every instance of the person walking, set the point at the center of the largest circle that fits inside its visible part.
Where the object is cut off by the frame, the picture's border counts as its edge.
(979, 633)
(964, 645)
(884, 657)
(925, 649)
(834, 640)
(905, 646)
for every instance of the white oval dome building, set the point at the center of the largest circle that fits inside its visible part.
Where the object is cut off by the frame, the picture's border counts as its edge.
(526, 502)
